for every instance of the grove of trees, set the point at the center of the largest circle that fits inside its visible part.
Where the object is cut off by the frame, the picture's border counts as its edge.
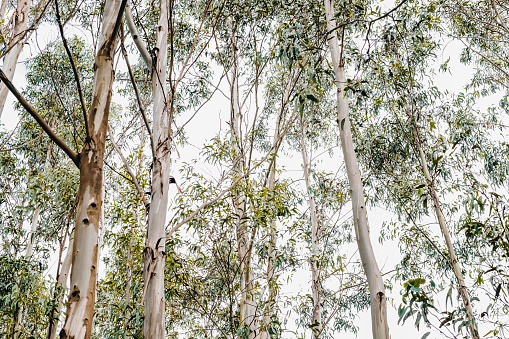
(254, 169)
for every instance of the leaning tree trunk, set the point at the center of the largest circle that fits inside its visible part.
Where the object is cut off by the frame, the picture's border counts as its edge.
(153, 255)
(445, 231)
(316, 317)
(360, 218)
(11, 58)
(81, 300)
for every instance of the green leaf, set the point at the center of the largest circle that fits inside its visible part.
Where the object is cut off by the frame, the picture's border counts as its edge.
(312, 98)
(426, 335)
(499, 288)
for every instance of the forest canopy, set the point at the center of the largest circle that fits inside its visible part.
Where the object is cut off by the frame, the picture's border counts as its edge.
(254, 169)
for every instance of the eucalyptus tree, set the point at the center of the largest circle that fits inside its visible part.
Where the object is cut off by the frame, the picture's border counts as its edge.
(13, 38)
(49, 192)
(166, 105)
(379, 323)
(80, 307)
(413, 108)
(482, 27)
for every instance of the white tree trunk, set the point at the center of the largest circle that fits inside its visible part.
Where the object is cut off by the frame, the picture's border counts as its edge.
(376, 286)
(316, 317)
(81, 301)
(61, 283)
(447, 236)
(247, 305)
(153, 255)
(11, 58)
(35, 218)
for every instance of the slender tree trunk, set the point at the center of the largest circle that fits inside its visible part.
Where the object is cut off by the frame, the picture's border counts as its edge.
(128, 274)
(271, 251)
(153, 255)
(136, 36)
(30, 245)
(80, 306)
(316, 284)
(376, 286)
(60, 289)
(11, 58)
(445, 231)
(247, 306)
(35, 218)
(271, 254)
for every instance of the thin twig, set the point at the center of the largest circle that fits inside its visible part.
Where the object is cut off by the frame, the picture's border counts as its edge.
(74, 70)
(128, 168)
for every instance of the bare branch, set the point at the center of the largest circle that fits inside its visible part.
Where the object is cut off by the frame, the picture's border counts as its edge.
(136, 37)
(73, 66)
(128, 168)
(44, 125)
(138, 98)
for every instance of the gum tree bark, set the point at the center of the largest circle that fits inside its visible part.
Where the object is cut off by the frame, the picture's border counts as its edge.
(11, 58)
(244, 246)
(379, 324)
(153, 255)
(81, 301)
(316, 316)
(445, 231)
(61, 284)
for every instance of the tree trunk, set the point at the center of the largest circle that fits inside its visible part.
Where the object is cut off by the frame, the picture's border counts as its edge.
(445, 231)
(247, 306)
(81, 301)
(316, 284)
(31, 240)
(11, 58)
(60, 284)
(153, 255)
(360, 218)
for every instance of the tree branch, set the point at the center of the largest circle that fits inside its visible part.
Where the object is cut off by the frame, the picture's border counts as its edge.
(136, 37)
(44, 125)
(138, 98)
(73, 66)
(128, 168)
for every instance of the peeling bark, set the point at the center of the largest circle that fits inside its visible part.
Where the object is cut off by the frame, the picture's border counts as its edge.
(153, 255)
(81, 301)
(379, 323)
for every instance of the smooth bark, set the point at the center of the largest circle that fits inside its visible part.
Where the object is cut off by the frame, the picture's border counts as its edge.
(316, 316)
(136, 36)
(15, 47)
(379, 323)
(447, 236)
(81, 300)
(60, 290)
(153, 255)
(246, 303)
